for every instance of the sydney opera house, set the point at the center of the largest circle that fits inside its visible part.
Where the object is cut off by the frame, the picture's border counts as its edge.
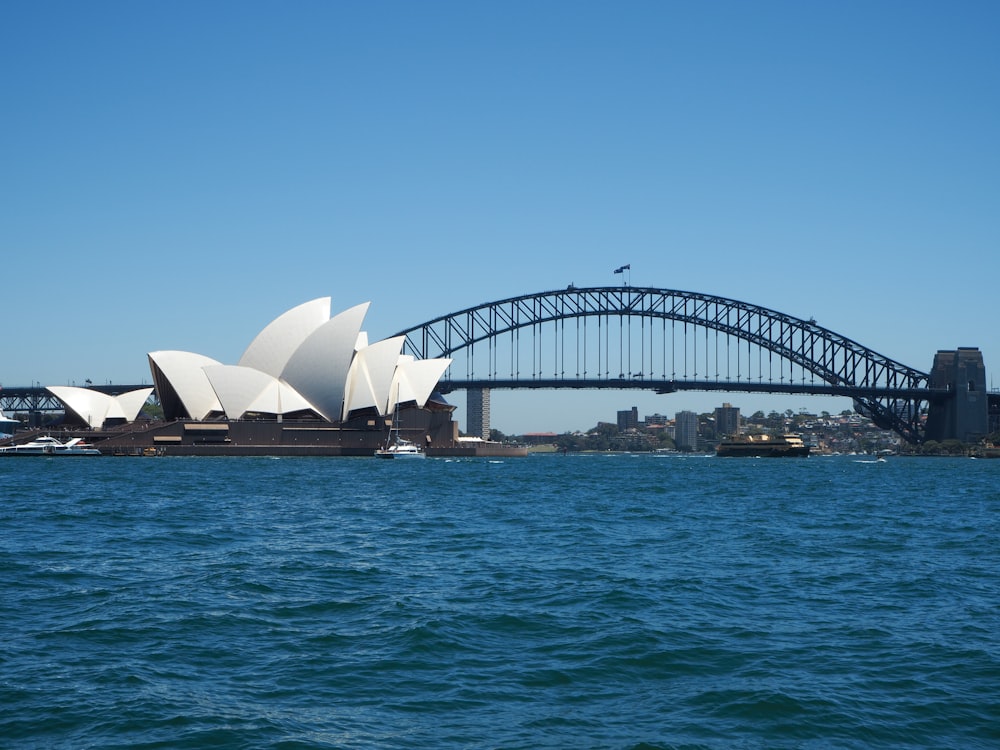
(307, 384)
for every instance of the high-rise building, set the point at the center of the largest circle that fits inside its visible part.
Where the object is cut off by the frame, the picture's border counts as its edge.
(629, 419)
(477, 410)
(727, 420)
(686, 430)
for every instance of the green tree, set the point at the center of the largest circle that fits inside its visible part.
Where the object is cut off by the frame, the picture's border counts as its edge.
(954, 447)
(152, 411)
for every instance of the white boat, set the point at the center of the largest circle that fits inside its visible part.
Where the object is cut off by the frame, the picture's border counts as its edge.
(7, 426)
(50, 446)
(396, 446)
(400, 449)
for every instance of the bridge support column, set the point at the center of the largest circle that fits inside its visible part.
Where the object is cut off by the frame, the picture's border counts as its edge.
(477, 413)
(964, 416)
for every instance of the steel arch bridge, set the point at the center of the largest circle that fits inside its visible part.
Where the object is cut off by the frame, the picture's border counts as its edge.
(666, 340)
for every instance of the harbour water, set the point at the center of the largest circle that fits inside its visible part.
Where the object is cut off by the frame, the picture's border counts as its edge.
(600, 601)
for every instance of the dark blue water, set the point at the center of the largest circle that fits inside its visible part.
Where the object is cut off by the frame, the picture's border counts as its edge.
(603, 601)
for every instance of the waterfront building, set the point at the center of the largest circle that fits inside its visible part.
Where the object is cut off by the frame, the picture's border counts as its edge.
(303, 365)
(686, 430)
(727, 420)
(477, 411)
(628, 419)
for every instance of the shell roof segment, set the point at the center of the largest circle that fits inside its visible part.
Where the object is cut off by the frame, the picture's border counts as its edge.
(371, 376)
(272, 348)
(318, 368)
(184, 374)
(243, 390)
(95, 408)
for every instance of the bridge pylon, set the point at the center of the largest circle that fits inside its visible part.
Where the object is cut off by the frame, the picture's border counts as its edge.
(965, 414)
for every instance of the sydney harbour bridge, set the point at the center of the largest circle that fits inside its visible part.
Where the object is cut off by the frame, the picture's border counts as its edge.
(665, 340)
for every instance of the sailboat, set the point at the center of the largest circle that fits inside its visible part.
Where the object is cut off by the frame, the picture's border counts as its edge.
(397, 446)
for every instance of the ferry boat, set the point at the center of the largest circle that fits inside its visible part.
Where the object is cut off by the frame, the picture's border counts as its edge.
(764, 446)
(50, 446)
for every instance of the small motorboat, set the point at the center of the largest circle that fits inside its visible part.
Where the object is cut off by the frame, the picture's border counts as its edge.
(50, 446)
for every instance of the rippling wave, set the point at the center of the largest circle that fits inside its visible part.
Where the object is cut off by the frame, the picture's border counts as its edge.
(605, 601)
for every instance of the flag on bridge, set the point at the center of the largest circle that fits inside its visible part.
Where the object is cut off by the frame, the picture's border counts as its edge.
(626, 267)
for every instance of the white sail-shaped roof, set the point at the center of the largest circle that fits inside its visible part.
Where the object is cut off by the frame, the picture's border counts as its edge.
(94, 407)
(401, 391)
(289, 400)
(244, 389)
(89, 405)
(128, 405)
(371, 376)
(357, 392)
(240, 387)
(415, 379)
(272, 348)
(319, 367)
(184, 372)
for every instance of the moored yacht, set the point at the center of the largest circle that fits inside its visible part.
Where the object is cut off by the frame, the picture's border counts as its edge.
(7, 426)
(400, 448)
(50, 446)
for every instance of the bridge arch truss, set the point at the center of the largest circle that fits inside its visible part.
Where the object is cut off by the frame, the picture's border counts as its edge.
(666, 340)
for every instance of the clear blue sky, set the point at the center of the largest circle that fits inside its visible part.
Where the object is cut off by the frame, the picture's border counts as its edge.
(175, 175)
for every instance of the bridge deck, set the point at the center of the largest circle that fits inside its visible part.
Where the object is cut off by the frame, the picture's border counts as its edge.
(672, 386)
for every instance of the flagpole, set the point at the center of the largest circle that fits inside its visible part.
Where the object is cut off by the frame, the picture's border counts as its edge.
(622, 270)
